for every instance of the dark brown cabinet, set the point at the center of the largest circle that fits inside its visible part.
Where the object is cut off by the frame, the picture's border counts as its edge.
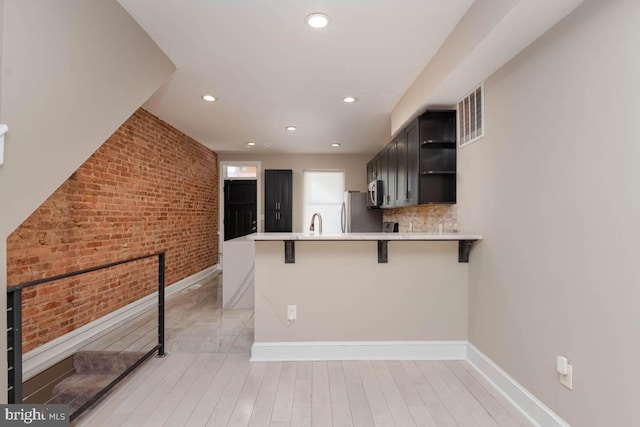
(278, 195)
(390, 160)
(437, 157)
(401, 198)
(413, 160)
(383, 159)
(419, 165)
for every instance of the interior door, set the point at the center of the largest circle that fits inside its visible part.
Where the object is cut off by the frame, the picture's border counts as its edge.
(240, 208)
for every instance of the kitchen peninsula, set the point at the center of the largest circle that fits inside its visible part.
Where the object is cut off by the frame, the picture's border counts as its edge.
(361, 295)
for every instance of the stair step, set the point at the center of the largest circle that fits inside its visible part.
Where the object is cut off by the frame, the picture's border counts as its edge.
(104, 362)
(79, 388)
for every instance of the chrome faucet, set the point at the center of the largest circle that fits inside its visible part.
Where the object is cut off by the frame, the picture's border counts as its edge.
(313, 219)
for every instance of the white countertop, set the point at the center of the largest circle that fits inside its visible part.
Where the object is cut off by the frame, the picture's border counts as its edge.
(363, 236)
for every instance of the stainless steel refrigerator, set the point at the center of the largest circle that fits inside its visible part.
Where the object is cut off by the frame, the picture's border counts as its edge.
(356, 218)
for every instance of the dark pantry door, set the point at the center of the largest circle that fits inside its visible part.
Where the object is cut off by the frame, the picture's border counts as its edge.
(240, 214)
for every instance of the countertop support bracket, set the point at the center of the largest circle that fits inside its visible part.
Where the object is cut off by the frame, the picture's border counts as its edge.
(289, 252)
(464, 248)
(383, 252)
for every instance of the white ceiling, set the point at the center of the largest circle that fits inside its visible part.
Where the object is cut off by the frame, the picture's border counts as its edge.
(269, 70)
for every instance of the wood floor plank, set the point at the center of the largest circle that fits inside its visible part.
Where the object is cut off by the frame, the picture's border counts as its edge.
(360, 410)
(480, 416)
(209, 399)
(223, 410)
(497, 395)
(410, 395)
(192, 396)
(172, 398)
(450, 398)
(483, 397)
(397, 406)
(122, 391)
(284, 397)
(442, 405)
(144, 408)
(320, 396)
(247, 400)
(377, 402)
(301, 410)
(261, 416)
(340, 406)
(127, 406)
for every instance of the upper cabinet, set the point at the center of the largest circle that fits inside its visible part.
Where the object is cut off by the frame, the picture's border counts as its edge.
(419, 165)
(437, 157)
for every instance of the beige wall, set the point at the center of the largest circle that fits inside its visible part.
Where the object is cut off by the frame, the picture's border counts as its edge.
(480, 20)
(354, 166)
(72, 72)
(343, 294)
(554, 189)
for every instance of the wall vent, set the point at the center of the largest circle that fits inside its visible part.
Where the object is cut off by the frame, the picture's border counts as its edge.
(471, 116)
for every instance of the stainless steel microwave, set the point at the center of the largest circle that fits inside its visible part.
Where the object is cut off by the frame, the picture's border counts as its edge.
(374, 194)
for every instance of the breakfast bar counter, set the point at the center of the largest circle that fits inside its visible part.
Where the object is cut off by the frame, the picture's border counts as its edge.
(465, 241)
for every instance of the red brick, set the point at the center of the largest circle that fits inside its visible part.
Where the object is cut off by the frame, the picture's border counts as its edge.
(149, 187)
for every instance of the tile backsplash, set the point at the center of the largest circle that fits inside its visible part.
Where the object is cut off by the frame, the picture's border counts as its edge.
(424, 218)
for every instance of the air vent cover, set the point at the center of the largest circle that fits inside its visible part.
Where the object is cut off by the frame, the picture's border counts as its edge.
(471, 116)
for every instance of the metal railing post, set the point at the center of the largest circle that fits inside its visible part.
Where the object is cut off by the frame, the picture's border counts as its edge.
(161, 261)
(14, 345)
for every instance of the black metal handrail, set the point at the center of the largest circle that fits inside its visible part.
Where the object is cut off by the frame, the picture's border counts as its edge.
(14, 329)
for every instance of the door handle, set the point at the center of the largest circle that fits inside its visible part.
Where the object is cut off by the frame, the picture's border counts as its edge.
(343, 217)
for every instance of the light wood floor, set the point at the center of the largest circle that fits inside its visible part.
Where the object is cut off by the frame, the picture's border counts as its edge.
(197, 386)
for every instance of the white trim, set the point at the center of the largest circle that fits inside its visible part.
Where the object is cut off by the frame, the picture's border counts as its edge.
(536, 411)
(359, 350)
(259, 214)
(43, 357)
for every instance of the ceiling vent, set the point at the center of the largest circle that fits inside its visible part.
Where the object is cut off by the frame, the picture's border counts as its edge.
(471, 116)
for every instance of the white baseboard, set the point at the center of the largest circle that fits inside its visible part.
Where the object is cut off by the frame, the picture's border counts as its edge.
(48, 354)
(536, 411)
(359, 350)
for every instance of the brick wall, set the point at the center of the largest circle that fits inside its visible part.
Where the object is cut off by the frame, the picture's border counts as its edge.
(148, 188)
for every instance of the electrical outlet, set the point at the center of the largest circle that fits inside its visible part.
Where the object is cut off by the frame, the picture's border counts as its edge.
(291, 312)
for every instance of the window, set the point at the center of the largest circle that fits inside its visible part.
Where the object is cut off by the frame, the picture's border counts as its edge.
(246, 172)
(323, 193)
(471, 116)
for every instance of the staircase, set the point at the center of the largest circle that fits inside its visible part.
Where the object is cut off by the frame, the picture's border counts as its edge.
(94, 370)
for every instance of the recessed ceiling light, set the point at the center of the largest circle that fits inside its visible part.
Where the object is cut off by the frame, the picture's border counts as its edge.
(350, 99)
(335, 144)
(291, 128)
(209, 98)
(251, 144)
(317, 20)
